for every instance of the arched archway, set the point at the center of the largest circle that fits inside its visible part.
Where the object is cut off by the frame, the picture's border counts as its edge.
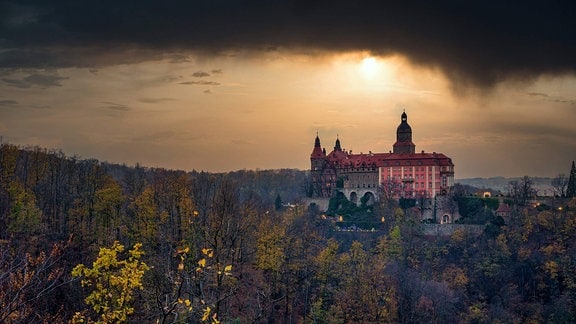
(354, 197)
(368, 199)
(446, 219)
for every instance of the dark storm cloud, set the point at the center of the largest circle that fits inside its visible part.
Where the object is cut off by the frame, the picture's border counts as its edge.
(16, 83)
(200, 74)
(538, 94)
(45, 81)
(115, 106)
(179, 58)
(8, 102)
(547, 97)
(480, 42)
(200, 83)
(155, 100)
(565, 101)
(40, 80)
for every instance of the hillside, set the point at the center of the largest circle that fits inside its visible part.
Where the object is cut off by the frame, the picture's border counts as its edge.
(83, 240)
(542, 185)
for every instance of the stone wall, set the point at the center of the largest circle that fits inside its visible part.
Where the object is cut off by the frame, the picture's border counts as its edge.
(449, 229)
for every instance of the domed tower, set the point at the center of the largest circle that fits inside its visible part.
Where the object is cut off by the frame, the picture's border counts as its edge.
(404, 143)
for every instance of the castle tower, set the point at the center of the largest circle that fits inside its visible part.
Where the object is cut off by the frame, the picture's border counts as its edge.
(337, 146)
(318, 155)
(317, 166)
(317, 160)
(404, 143)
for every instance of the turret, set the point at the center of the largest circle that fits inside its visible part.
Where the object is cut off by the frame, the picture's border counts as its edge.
(337, 146)
(404, 143)
(318, 155)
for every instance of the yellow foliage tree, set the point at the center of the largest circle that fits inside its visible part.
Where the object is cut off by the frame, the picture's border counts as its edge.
(25, 216)
(148, 218)
(114, 281)
(270, 252)
(107, 206)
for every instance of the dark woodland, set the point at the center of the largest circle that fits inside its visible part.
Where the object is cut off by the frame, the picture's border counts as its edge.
(84, 240)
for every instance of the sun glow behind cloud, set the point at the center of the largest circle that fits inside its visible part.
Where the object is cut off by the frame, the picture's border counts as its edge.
(264, 110)
(250, 103)
(371, 67)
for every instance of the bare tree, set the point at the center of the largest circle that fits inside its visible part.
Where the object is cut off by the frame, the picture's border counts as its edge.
(521, 191)
(559, 185)
(29, 282)
(390, 189)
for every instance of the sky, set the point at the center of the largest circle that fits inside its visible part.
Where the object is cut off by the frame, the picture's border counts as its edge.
(223, 85)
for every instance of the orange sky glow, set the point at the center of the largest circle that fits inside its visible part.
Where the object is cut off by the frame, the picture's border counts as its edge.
(227, 85)
(246, 111)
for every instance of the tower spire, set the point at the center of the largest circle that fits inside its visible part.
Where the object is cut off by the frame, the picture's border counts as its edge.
(337, 146)
(317, 151)
(404, 136)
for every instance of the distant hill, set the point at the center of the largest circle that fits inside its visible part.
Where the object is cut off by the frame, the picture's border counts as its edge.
(501, 183)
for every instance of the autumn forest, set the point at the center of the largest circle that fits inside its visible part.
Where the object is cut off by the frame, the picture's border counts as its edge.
(88, 241)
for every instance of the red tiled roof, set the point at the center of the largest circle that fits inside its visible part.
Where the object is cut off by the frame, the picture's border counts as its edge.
(388, 159)
(317, 153)
(337, 155)
(503, 208)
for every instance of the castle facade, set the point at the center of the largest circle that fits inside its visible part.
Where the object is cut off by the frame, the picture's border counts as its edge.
(400, 173)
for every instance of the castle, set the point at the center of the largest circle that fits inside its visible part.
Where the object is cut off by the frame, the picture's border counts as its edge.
(401, 173)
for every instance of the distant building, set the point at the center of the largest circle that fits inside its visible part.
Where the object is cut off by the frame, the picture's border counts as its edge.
(401, 173)
(503, 210)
